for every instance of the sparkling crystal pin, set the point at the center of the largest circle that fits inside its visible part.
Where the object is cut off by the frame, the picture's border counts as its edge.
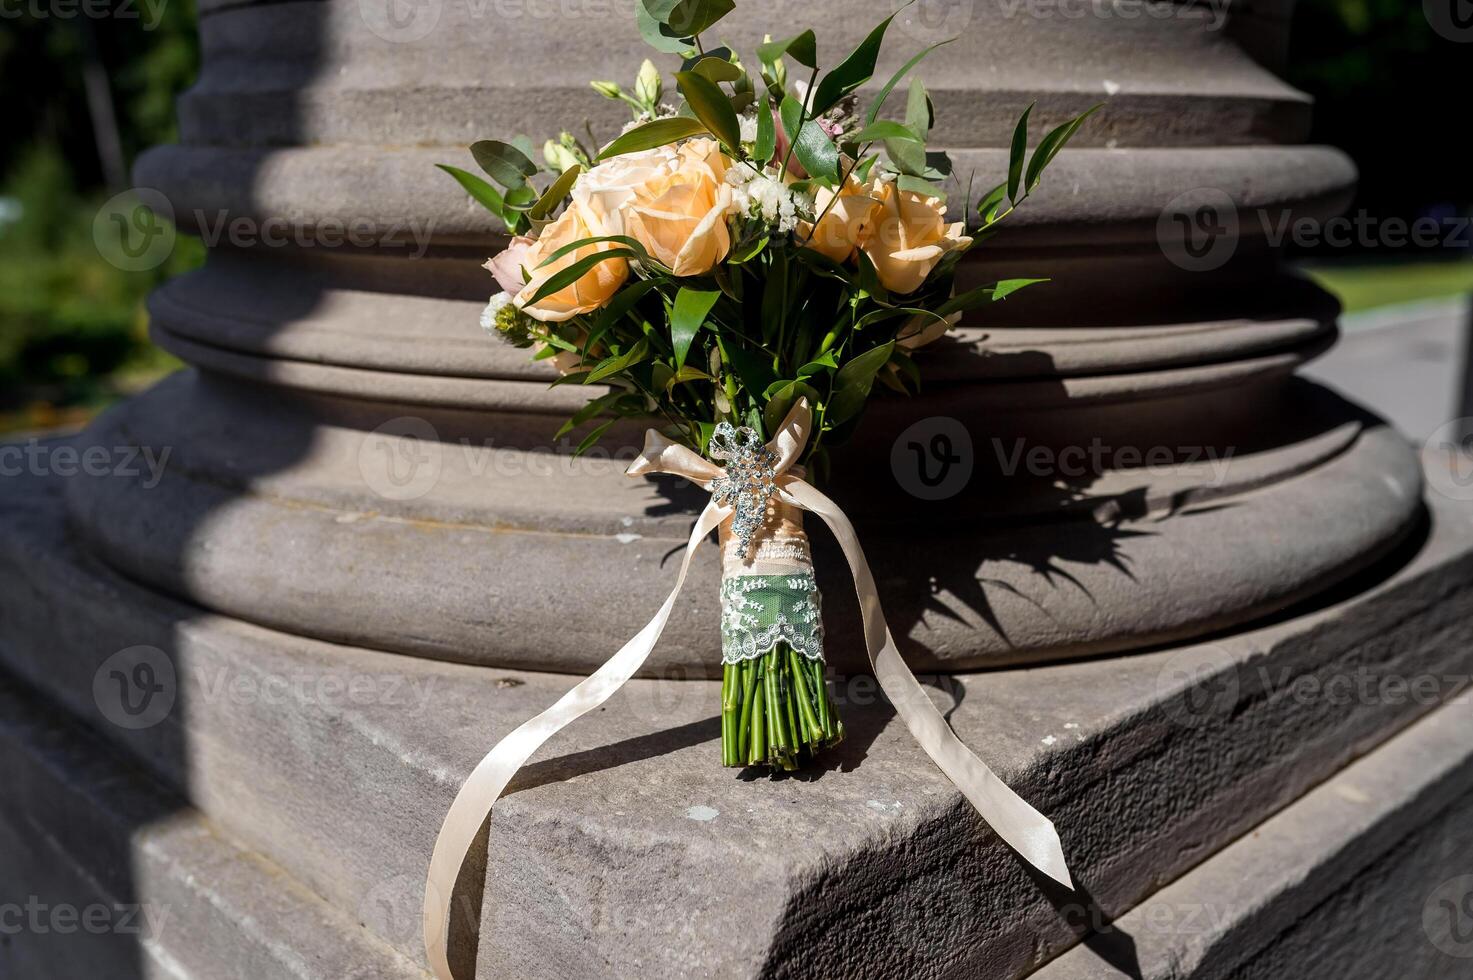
(748, 483)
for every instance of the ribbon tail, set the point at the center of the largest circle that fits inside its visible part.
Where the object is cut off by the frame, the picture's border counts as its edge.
(1026, 830)
(479, 794)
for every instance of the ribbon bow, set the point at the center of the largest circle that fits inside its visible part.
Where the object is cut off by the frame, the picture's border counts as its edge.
(1028, 832)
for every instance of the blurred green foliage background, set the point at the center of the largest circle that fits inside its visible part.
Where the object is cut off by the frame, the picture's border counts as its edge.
(73, 331)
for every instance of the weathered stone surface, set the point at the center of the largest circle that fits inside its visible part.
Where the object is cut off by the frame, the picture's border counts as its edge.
(1348, 881)
(616, 853)
(105, 873)
(469, 556)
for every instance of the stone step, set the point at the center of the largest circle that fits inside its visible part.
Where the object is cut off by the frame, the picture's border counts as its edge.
(104, 873)
(1368, 875)
(624, 848)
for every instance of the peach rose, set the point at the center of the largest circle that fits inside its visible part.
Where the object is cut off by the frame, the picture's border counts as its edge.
(909, 237)
(680, 218)
(844, 224)
(593, 290)
(607, 189)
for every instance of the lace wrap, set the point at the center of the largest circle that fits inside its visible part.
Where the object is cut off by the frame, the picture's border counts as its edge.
(769, 596)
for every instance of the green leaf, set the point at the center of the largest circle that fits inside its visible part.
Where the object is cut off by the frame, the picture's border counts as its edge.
(781, 401)
(686, 374)
(766, 142)
(853, 383)
(618, 363)
(1050, 145)
(918, 111)
(1015, 160)
(594, 406)
(991, 201)
(883, 130)
(752, 367)
(506, 164)
(521, 198)
(631, 243)
(592, 438)
(564, 278)
(711, 107)
(716, 69)
(483, 193)
(658, 35)
(656, 132)
(802, 48)
(879, 103)
(812, 146)
(688, 18)
(555, 193)
(686, 317)
(1008, 287)
(852, 72)
(623, 302)
(824, 362)
(919, 185)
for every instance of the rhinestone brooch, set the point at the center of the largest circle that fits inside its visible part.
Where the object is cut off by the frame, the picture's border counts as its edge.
(748, 483)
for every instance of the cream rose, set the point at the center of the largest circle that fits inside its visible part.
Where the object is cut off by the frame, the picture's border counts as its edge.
(607, 189)
(680, 218)
(845, 222)
(909, 237)
(593, 290)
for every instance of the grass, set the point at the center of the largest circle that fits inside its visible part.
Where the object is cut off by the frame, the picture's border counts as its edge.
(1365, 287)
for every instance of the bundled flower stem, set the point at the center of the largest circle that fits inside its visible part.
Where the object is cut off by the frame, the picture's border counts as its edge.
(776, 710)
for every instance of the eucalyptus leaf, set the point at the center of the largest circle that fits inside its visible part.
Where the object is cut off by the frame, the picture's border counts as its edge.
(811, 145)
(659, 36)
(919, 185)
(507, 165)
(802, 48)
(711, 107)
(656, 132)
(687, 315)
(883, 130)
(688, 18)
(766, 142)
(716, 69)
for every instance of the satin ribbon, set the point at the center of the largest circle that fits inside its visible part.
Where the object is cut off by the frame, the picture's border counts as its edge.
(1028, 832)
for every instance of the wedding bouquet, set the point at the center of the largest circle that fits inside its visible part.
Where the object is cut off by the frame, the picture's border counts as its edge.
(742, 264)
(756, 242)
